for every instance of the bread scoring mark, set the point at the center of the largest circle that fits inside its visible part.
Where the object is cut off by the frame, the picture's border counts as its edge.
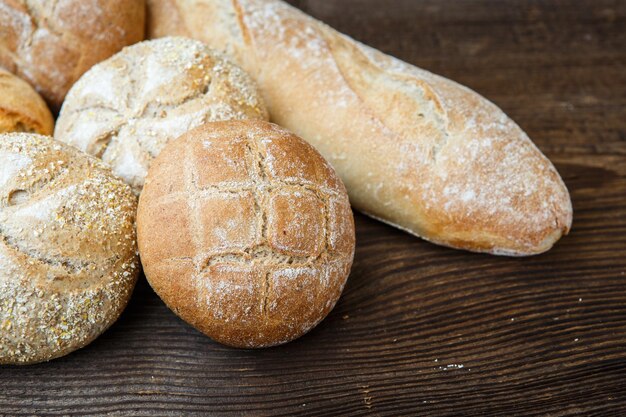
(43, 20)
(156, 109)
(69, 266)
(34, 24)
(259, 180)
(398, 98)
(57, 171)
(191, 197)
(17, 197)
(245, 33)
(263, 253)
(91, 107)
(101, 143)
(239, 189)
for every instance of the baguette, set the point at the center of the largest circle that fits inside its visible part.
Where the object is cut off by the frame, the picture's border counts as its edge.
(414, 150)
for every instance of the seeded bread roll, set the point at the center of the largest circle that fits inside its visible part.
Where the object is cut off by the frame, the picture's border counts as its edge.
(414, 149)
(68, 261)
(51, 44)
(246, 233)
(21, 108)
(125, 109)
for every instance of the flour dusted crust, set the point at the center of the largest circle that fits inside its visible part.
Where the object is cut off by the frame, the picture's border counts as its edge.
(68, 260)
(21, 108)
(414, 149)
(246, 232)
(51, 43)
(126, 109)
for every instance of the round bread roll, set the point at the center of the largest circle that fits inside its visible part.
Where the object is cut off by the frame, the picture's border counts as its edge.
(246, 233)
(68, 257)
(21, 108)
(51, 44)
(125, 109)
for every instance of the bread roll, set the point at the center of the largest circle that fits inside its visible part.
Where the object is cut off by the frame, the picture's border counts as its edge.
(414, 149)
(21, 108)
(68, 261)
(51, 44)
(245, 232)
(125, 109)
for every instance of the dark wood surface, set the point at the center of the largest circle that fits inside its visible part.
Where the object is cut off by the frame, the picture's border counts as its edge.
(423, 330)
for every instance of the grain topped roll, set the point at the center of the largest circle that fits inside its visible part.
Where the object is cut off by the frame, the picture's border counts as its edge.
(126, 109)
(21, 108)
(245, 232)
(68, 260)
(52, 43)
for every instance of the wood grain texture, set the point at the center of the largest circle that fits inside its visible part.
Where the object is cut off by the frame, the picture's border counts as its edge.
(423, 330)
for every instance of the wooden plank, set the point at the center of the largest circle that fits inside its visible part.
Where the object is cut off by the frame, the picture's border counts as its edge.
(422, 329)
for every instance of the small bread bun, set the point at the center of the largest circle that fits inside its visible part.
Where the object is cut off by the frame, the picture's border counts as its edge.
(21, 108)
(51, 44)
(125, 109)
(246, 233)
(68, 260)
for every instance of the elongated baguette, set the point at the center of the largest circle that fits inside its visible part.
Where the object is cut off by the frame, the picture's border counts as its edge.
(414, 149)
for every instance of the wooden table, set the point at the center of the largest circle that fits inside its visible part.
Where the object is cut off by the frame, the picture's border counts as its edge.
(423, 330)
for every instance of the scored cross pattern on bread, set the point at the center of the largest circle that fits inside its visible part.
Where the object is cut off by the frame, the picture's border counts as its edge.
(252, 218)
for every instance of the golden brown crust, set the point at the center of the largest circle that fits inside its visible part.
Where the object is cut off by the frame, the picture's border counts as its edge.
(21, 108)
(52, 43)
(246, 232)
(68, 261)
(125, 109)
(414, 149)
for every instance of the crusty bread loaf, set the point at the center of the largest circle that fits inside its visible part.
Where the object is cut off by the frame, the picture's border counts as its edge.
(68, 261)
(414, 149)
(125, 109)
(52, 43)
(21, 108)
(245, 232)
